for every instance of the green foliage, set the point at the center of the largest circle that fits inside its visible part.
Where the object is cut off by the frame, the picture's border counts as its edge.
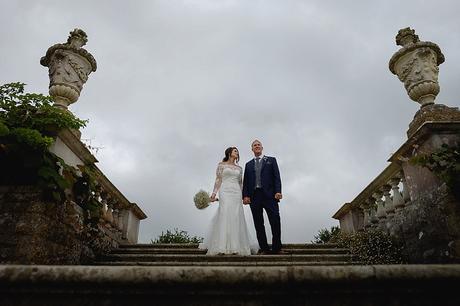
(49, 177)
(444, 163)
(324, 235)
(178, 236)
(372, 247)
(27, 123)
(33, 111)
(32, 138)
(4, 130)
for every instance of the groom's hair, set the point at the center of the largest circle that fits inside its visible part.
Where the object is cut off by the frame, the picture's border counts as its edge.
(255, 140)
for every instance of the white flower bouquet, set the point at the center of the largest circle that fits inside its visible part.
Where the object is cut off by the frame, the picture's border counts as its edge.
(202, 199)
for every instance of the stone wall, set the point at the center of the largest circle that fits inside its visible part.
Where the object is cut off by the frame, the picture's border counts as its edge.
(429, 228)
(37, 231)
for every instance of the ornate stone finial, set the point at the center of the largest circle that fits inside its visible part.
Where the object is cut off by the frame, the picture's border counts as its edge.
(406, 36)
(416, 65)
(77, 38)
(69, 67)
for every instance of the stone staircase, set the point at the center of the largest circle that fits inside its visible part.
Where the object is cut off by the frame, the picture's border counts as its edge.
(173, 274)
(190, 255)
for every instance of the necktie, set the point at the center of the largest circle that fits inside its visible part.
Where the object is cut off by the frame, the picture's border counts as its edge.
(258, 169)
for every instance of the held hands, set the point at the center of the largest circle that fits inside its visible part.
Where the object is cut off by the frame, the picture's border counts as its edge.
(246, 200)
(278, 196)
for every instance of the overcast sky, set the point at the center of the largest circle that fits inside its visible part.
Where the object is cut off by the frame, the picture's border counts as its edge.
(180, 81)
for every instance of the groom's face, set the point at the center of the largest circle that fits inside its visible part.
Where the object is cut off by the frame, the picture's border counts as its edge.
(257, 148)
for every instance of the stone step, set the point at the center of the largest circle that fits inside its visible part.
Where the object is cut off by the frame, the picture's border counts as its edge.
(198, 251)
(225, 258)
(380, 285)
(195, 246)
(225, 264)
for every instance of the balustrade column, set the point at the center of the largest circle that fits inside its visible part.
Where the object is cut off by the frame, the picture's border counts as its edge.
(389, 208)
(115, 218)
(104, 200)
(373, 212)
(365, 210)
(109, 212)
(121, 213)
(98, 196)
(398, 202)
(381, 215)
(405, 192)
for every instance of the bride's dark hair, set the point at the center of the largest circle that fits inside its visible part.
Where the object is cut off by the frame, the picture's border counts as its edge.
(228, 152)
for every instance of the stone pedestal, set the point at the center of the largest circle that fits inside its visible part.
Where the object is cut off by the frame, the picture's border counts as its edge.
(430, 226)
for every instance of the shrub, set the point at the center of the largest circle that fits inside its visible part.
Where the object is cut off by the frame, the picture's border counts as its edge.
(372, 247)
(178, 236)
(324, 235)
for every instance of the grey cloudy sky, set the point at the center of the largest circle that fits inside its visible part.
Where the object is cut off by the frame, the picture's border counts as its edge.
(179, 81)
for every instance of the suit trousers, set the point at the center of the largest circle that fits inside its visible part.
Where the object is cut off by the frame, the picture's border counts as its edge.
(258, 203)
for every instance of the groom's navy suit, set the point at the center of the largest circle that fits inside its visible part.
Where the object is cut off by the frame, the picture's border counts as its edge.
(261, 190)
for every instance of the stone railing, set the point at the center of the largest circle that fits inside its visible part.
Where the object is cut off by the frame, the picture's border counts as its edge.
(407, 200)
(117, 211)
(119, 216)
(386, 196)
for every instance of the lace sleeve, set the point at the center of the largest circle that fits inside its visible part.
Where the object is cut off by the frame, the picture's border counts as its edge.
(220, 169)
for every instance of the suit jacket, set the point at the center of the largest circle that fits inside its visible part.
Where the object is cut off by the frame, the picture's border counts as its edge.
(269, 176)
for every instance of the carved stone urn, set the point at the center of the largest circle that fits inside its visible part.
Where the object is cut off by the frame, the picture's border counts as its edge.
(69, 67)
(417, 65)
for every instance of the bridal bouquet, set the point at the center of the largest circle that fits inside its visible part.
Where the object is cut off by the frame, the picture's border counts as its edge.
(201, 199)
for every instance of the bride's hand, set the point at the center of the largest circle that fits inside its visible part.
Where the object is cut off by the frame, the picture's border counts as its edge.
(213, 198)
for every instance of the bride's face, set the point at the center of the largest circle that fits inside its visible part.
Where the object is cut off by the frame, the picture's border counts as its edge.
(235, 154)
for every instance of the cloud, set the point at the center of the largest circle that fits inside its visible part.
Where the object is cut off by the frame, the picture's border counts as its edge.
(179, 81)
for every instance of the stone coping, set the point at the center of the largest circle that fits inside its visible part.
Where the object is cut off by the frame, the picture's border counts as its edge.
(71, 139)
(423, 132)
(109, 278)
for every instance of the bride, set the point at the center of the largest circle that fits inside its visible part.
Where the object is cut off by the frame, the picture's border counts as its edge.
(228, 233)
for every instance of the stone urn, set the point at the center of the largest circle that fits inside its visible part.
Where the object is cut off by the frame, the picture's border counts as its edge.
(69, 67)
(417, 65)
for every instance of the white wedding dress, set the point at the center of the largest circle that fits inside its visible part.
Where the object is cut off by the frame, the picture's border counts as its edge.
(228, 232)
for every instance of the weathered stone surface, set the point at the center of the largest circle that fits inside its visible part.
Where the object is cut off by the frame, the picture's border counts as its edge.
(427, 227)
(35, 231)
(416, 65)
(69, 67)
(433, 113)
(346, 285)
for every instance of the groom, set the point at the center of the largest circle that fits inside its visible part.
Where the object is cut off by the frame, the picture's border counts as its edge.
(262, 189)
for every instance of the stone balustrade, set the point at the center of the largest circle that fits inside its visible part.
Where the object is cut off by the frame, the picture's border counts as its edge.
(69, 147)
(407, 200)
(377, 205)
(117, 212)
